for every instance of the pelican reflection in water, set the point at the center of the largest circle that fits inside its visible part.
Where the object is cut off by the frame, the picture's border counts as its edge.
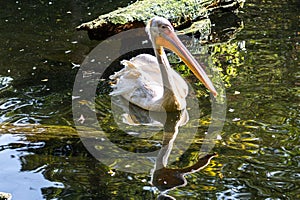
(149, 82)
(163, 177)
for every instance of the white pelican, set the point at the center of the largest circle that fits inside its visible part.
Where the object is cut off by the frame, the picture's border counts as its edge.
(149, 82)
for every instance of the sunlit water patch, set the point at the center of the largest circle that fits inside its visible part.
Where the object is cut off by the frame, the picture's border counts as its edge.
(22, 183)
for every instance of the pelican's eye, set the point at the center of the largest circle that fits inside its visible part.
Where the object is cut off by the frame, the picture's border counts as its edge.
(166, 28)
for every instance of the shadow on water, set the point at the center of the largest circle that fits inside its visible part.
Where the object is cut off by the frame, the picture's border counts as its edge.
(258, 155)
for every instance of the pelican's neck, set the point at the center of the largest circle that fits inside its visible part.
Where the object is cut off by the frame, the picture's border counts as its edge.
(169, 94)
(165, 67)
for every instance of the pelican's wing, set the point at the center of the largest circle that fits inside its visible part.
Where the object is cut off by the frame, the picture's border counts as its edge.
(139, 81)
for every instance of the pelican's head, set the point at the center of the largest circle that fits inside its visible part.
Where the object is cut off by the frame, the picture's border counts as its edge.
(158, 26)
(162, 34)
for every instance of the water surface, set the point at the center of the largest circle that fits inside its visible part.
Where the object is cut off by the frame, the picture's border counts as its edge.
(258, 155)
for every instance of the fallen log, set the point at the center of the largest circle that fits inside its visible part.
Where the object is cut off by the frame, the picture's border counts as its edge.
(182, 14)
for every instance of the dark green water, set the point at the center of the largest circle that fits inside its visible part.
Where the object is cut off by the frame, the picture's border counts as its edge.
(259, 153)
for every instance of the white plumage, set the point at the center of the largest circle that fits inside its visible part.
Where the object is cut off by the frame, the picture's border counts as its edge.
(140, 82)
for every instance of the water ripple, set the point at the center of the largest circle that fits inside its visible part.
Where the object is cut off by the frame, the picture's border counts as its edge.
(5, 82)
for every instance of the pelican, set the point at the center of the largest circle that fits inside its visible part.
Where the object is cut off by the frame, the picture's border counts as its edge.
(149, 81)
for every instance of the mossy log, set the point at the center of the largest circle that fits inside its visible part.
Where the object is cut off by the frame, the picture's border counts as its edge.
(182, 14)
